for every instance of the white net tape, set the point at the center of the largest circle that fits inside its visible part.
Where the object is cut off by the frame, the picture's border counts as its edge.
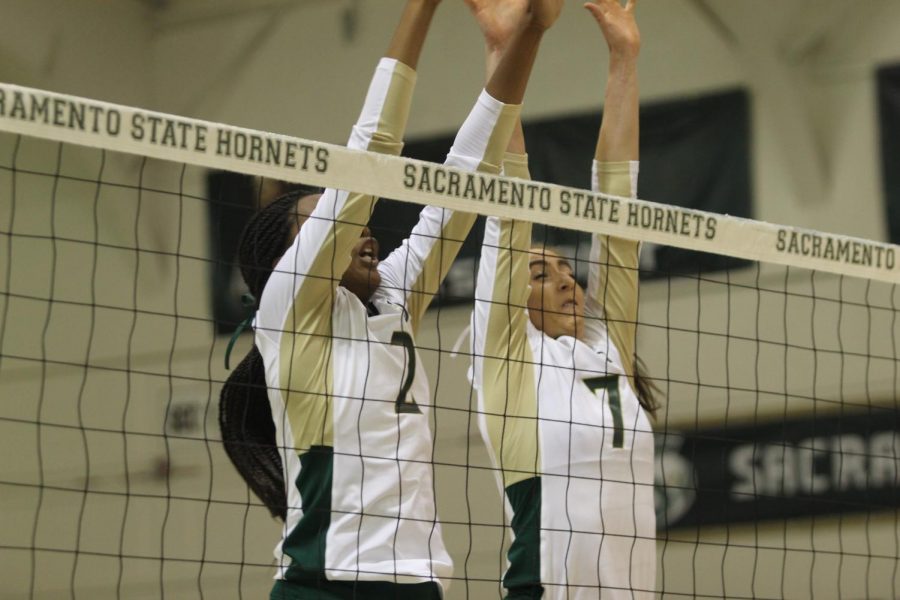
(125, 129)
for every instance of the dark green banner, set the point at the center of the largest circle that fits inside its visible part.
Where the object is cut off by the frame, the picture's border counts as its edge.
(821, 464)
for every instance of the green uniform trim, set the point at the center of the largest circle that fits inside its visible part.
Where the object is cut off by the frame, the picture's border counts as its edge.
(355, 590)
(306, 543)
(305, 579)
(523, 578)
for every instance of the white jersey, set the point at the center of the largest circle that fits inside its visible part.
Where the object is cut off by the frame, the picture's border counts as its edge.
(349, 398)
(573, 447)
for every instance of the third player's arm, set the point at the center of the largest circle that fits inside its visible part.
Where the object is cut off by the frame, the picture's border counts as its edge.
(503, 366)
(418, 267)
(613, 276)
(612, 291)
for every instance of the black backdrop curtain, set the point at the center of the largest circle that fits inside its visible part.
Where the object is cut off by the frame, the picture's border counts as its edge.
(889, 118)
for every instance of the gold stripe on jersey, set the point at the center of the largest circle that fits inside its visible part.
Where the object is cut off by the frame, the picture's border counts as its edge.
(453, 234)
(617, 288)
(495, 151)
(508, 386)
(438, 262)
(516, 165)
(388, 136)
(307, 383)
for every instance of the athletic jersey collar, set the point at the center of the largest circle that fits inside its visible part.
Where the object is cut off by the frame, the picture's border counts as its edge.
(567, 351)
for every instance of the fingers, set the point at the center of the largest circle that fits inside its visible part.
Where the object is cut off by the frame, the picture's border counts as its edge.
(474, 5)
(599, 11)
(598, 7)
(606, 9)
(618, 24)
(606, 5)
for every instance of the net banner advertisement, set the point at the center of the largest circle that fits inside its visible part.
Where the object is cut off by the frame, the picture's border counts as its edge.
(102, 125)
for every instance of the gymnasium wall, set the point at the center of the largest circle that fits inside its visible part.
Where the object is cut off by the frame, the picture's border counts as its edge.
(288, 68)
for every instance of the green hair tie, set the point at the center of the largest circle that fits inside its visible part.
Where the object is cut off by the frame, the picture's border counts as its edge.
(249, 302)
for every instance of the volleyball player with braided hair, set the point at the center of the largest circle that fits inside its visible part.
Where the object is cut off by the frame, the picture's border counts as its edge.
(335, 330)
(562, 411)
(245, 416)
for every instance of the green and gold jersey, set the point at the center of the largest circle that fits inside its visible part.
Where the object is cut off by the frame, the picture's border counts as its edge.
(572, 445)
(350, 400)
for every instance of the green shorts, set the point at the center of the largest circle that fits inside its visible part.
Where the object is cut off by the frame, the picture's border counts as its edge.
(354, 590)
(525, 592)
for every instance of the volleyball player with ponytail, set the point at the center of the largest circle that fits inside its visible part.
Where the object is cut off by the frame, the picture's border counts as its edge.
(335, 331)
(563, 412)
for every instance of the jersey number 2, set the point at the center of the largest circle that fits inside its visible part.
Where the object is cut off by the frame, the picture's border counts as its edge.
(401, 338)
(610, 383)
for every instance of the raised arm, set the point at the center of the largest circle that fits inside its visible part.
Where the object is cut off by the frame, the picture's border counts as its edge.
(499, 20)
(613, 275)
(307, 274)
(499, 319)
(619, 131)
(502, 363)
(413, 273)
(409, 37)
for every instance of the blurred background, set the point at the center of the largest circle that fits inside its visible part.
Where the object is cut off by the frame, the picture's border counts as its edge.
(113, 483)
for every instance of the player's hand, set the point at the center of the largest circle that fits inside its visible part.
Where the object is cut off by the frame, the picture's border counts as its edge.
(498, 20)
(618, 25)
(545, 12)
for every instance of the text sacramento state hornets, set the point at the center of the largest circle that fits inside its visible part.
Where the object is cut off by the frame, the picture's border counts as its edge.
(163, 130)
(816, 245)
(531, 196)
(470, 186)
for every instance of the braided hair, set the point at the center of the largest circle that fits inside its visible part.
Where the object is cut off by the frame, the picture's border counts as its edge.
(648, 392)
(245, 415)
(265, 238)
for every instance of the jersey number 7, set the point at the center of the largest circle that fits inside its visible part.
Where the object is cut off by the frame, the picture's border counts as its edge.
(610, 383)
(401, 338)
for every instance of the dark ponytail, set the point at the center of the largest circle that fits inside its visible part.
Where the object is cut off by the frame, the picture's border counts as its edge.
(248, 431)
(245, 415)
(647, 391)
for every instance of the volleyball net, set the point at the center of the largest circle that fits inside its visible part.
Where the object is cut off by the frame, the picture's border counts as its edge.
(776, 460)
